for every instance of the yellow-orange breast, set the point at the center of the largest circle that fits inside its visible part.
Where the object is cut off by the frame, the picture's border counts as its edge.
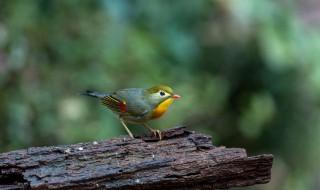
(161, 108)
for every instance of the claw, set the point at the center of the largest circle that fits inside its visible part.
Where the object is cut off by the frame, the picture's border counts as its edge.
(155, 132)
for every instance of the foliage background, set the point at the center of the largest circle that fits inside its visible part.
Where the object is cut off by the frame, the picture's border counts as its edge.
(248, 72)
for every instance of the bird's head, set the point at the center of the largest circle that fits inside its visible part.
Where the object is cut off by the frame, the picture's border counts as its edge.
(160, 94)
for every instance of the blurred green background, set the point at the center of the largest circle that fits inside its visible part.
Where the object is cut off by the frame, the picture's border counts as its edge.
(248, 71)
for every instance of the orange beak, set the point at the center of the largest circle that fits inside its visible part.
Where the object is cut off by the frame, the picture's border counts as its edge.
(175, 96)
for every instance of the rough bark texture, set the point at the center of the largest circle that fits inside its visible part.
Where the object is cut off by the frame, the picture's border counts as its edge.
(182, 160)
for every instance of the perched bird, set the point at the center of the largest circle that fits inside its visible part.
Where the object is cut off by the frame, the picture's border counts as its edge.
(138, 105)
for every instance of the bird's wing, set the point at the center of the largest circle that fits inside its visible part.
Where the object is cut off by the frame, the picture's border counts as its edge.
(115, 103)
(134, 100)
(137, 109)
(127, 102)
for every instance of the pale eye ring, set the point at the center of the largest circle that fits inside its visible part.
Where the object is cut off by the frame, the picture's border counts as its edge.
(162, 93)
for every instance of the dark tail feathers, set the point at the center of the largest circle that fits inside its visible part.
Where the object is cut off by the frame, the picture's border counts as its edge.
(94, 94)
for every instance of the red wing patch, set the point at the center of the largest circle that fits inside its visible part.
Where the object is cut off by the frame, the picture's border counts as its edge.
(123, 107)
(115, 104)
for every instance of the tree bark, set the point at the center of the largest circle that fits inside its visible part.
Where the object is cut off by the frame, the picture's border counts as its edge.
(182, 160)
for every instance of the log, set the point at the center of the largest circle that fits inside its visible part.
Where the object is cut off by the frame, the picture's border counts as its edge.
(182, 160)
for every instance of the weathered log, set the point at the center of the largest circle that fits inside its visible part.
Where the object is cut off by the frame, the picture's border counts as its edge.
(182, 160)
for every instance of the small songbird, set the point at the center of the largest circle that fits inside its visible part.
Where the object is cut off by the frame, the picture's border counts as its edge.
(138, 105)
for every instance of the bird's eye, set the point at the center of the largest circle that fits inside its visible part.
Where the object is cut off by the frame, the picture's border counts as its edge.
(162, 93)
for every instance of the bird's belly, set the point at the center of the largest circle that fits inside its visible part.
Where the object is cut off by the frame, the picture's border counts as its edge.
(157, 113)
(135, 119)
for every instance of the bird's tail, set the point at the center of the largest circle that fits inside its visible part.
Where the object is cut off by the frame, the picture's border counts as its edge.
(94, 94)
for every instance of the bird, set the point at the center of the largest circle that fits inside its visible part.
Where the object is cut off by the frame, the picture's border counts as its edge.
(137, 105)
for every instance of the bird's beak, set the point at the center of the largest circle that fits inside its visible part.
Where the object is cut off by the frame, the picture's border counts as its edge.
(176, 96)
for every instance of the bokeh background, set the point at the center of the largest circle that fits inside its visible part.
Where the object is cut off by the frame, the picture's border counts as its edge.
(248, 71)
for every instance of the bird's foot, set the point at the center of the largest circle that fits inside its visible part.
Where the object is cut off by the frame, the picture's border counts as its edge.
(157, 133)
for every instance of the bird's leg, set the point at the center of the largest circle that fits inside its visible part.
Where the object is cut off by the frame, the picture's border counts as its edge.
(155, 132)
(125, 126)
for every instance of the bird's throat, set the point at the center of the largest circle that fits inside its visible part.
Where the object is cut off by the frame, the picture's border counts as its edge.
(161, 108)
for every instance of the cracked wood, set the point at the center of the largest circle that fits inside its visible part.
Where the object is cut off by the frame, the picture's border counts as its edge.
(183, 160)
